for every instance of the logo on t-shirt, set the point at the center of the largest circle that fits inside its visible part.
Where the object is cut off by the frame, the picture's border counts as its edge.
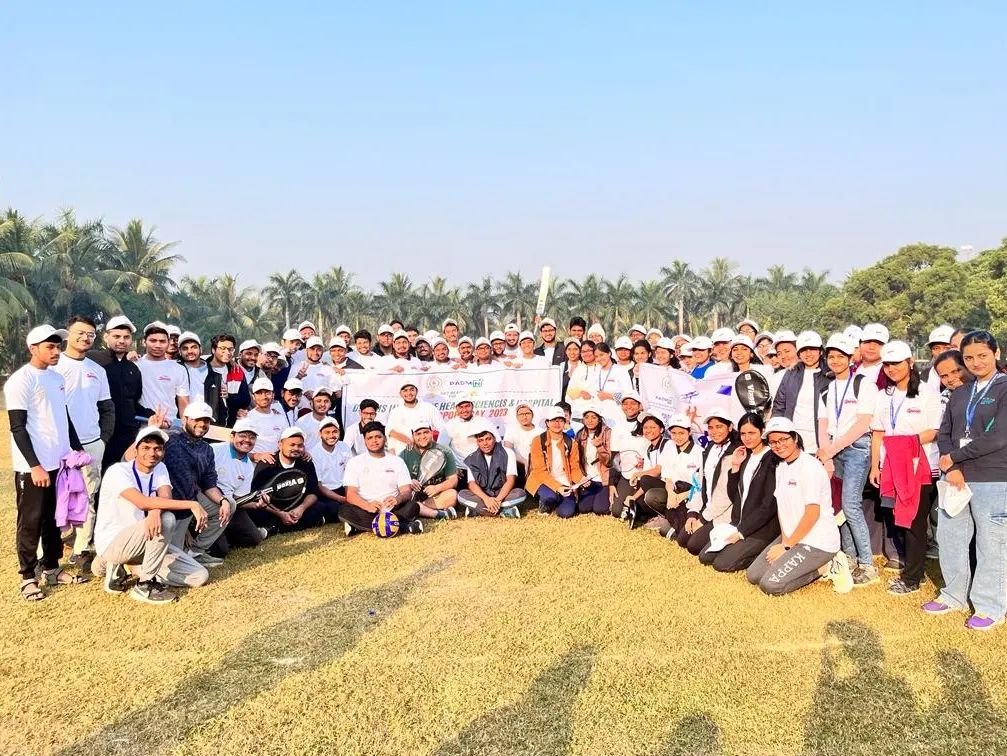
(164, 378)
(913, 410)
(792, 483)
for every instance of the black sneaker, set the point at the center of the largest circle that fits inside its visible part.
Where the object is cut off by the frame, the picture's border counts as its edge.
(152, 592)
(899, 587)
(631, 516)
(82, 560)
(415, 527)
(350, 530)
(115, 578)
(543, 509)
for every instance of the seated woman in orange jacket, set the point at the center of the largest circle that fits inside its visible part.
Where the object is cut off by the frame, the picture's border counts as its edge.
(554, 467)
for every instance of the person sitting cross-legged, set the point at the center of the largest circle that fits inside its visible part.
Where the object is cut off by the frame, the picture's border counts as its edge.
(435, 496)
(135, 524)
(554, 467)
(492, 479)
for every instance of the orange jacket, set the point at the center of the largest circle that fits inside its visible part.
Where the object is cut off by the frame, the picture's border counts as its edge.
(539, 463)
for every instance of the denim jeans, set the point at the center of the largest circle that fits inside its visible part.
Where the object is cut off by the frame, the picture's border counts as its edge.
(986, 518)
(852, 465)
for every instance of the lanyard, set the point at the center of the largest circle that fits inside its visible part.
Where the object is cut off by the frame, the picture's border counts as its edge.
(973, 404)
(841, 402)
(603, 383)
(893, 413)
(150, 481)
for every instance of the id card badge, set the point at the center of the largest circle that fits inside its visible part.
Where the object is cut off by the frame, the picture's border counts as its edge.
(964, 442)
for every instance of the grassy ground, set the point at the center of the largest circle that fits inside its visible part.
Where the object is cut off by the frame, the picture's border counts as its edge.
(529, 637)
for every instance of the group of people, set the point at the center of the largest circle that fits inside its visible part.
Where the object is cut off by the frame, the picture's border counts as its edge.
(112, 457)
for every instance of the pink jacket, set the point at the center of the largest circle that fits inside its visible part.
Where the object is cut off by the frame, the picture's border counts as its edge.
(905, 471)
(72, 500)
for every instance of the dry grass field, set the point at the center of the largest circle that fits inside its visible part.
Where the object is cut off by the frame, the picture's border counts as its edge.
(536, 636)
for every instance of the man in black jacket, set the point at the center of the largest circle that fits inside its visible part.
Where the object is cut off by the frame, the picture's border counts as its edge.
(550, 348)
(125, 386)
(801, 389)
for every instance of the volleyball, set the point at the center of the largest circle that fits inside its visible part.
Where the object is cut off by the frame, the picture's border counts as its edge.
(385, 524)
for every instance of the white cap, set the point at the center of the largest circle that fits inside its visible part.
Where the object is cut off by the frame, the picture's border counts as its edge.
(547, 321)
(685, 350)
(422, 337)
(555, 413)
(719, 414)
(400, 335)
(120, 321)
(189, 336)
(431, 333)
(656, 331)
(895, 351)
(327, 421)
(293, 384)
(244, 425)
(44, 332)
(631, 395)
(784, 337)
(271, 347)
(479, 427)
(679, 420)
(160, 324)
(462, 400)
(596, 328)
(841, 343)
(853, 333)
(764, 336)
(665, 343)
(409, 382)
(249, 344)
(593, 407)
(525, 335)
(306, 324)
(437, 341)
(482, 341)
(571, 340)
(315, 341)
(637, 327)
(174, 330)
(449, 321)
(146, 431)
(344, 329)
(465, 339)
(940, 335)
(261, 384)
(624, 342)
(779, 425)
(497, 336)
(197, 411)
(743, 340)
(748, 322)
(385, 328)
(337, 341)
(292, 334)
(320, 391)
(701, 342)
(722, 335)
(293, 430)
(809, 340)
(875, 332)
(511, 328)
(419, 425)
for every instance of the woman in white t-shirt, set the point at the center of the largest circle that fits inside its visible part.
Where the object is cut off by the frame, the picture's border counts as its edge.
(682, 473)
(904, 455)
(520, 433)
(809, 539)
(595, 442)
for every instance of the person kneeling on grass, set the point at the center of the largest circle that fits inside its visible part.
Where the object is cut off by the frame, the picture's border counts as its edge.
(378, 481)
(808, 546)
(554, 466)
(310, 511)
(492, 478)
(436, 496)
(135, 525)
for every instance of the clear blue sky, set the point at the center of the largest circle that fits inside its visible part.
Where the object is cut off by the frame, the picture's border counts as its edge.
(471, 138)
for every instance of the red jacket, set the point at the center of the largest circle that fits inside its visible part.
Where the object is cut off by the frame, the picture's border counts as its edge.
(905, 471)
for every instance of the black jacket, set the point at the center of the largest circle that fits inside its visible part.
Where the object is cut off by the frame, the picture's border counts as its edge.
(790, 387)
(724, 464)
(125, 385)
(558, 354)
(759, 509)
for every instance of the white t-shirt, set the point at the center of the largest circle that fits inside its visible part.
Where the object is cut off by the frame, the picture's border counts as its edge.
(330, 466)
(85, 383)
(234, 475)
(681, 466)
(911, 416)
(511, 462)
(163, 381)
(42, 394)
(461, 443)
(309, 425)
(376, 478)
(851, 405)
(870, 372)
(520, 440)
(354, 439)
(268, 425)
(402, 419)
(115, 513)
(751, 467)
(804, 411)
(624, 440)
(557, 464)
(319, 375)
(196, 377)
(799, 483)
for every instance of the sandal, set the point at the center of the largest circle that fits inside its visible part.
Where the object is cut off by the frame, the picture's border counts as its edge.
(59, 576)
(30, 591)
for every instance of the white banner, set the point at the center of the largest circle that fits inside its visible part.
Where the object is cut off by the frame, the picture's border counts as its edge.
(494, 392)
(666, 391)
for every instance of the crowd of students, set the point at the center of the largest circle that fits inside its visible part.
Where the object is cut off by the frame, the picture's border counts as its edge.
(837, 479)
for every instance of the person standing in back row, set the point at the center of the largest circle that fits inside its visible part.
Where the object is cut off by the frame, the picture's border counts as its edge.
(125, 385)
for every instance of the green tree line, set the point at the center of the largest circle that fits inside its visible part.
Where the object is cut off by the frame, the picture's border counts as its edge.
(52, 269)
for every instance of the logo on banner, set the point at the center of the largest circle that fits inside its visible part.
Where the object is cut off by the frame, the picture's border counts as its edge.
(434, 384)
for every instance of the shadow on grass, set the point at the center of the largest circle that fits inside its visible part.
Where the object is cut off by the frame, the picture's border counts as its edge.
(695, 735)
(540, 722)
(860, 707)
(302, 643)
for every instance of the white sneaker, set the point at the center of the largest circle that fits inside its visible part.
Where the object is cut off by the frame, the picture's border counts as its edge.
(264, 533)
(839, 573)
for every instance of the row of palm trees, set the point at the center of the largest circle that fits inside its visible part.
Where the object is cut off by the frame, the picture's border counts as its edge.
(50, 270)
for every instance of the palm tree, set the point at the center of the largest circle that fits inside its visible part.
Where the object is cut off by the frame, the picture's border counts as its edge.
(18, 238)
(285, 291)
(231, 305)
(618, 298)
(721, 289)
(778, 280)
(396, 298)
(515, 297)
(584, 297)
(811, 282)
(650, 304)
(144, 265)
(481, 305)
(681, 285)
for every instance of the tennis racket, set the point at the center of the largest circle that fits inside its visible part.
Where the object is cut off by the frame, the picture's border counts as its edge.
(630, 461)
(432, 463)
(285, 489)
(752, 390)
